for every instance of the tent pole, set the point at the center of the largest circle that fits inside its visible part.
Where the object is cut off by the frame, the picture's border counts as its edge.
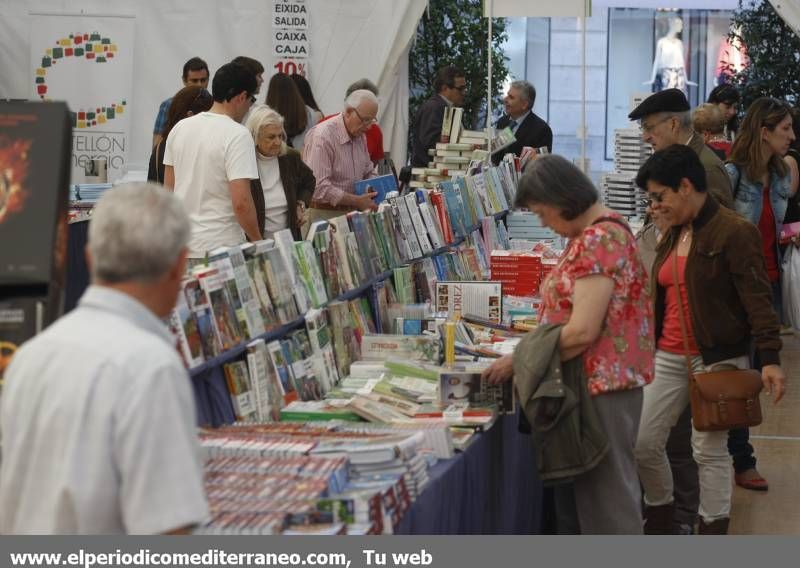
(583, 95)
(489, 82)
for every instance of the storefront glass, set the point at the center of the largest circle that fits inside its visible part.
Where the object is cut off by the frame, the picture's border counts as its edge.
(629, 52)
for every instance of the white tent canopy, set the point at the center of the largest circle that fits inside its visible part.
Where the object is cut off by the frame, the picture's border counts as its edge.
(789, 10)
(349, 40)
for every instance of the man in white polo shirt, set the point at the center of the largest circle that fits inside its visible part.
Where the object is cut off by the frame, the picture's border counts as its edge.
(97, 417)
(209, 161)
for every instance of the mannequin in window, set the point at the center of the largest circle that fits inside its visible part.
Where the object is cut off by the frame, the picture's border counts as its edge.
(669, 69)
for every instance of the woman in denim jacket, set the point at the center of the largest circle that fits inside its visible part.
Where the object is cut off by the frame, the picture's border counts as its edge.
(762, 186)
(759, 176)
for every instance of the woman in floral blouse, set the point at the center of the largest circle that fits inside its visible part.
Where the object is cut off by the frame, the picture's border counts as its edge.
(598, 293)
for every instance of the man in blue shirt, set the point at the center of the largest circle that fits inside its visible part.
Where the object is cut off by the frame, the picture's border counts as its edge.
(195, 73)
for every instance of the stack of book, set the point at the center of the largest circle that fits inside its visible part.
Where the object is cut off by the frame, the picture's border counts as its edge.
(271, 495)
(410, 391)
(382, 459)
(454, 152)
(522, 312)
(527, 226)
(618, 188)
(292, 477)
(520, 272)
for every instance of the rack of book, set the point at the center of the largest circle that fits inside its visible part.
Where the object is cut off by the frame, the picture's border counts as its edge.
(310, 304)
(334, 375)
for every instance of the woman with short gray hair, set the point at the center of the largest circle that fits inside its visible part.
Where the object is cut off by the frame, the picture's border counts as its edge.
(597, 294)
(285, 184)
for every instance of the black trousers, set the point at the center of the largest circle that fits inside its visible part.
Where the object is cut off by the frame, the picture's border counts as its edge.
(686, 483)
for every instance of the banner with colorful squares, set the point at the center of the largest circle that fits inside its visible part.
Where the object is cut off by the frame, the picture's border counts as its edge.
(87, 61)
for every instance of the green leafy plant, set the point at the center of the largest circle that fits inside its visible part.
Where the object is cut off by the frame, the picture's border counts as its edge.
(773, 50)
(454, 32)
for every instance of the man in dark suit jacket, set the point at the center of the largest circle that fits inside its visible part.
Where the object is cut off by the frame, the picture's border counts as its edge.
(529, 129)
(449, 85)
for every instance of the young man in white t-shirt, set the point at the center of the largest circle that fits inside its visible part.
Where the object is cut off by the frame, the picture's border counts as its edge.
(209, 161)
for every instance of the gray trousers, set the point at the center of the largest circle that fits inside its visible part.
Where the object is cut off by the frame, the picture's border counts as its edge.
(607, 499)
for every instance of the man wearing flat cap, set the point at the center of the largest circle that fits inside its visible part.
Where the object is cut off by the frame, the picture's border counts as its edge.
(665, 119)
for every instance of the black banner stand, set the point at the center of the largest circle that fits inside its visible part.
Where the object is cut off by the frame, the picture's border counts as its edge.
(35, 154)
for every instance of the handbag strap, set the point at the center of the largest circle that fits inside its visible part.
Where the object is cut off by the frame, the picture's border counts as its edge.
(607, 219)
(681, 318)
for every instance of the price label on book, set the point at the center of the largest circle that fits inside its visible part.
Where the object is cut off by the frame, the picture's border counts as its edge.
(453, 413)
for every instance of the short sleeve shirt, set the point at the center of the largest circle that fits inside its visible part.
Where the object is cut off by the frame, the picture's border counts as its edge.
(622, 357)
(161, 117)
(98, 427)
(207, 151)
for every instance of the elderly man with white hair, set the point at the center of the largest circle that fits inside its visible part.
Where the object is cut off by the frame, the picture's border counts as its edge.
(97, 416)
(336, 151)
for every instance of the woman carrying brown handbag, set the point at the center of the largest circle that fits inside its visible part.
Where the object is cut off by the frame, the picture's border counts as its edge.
(724, 296)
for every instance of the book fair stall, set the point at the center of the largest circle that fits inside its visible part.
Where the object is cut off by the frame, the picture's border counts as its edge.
(337, 379)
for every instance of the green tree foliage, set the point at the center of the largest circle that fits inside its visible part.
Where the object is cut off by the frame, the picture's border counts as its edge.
(773, 50)
(454, 32)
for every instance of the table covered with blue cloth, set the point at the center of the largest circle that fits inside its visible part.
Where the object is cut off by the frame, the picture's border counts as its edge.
(77, 277)
(491, 488)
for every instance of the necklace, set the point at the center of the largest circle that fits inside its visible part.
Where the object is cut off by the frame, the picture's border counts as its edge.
(686, 234)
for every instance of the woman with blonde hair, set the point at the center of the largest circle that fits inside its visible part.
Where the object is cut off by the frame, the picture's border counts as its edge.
(285, 184)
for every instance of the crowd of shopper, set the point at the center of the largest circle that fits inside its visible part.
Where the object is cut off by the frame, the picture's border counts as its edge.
(698, 290)
(712, 302)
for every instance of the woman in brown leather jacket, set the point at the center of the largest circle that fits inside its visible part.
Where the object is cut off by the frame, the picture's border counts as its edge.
(724, 295)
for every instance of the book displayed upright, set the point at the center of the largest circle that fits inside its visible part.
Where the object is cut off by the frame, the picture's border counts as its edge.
(483, 299)
(379, 184)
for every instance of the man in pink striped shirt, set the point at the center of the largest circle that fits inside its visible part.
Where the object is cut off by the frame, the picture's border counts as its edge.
(336, 151)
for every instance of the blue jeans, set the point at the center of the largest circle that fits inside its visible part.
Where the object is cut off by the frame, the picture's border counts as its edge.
(740, 450)
(739, 439)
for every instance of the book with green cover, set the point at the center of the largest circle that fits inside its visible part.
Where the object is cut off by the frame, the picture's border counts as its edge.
(258, 282)
(406, 368)
(316, 410)
(320, 336)
(309, 273)
(242, 398)
(345, 345)
(264, 380)
(404, 284)
(279, 284)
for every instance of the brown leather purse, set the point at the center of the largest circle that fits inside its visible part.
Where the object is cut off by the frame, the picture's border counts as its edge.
(724, 399)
